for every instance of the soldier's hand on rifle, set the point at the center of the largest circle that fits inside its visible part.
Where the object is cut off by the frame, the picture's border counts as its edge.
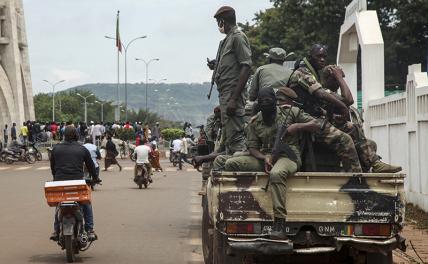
(231, 107)
(211, 64)
(293, 129)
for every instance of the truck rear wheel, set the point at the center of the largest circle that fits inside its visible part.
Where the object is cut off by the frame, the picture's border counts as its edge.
(220, 251)
(379, 258)
(207, 238)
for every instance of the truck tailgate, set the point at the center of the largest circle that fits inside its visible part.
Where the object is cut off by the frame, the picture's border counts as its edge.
(313, 197)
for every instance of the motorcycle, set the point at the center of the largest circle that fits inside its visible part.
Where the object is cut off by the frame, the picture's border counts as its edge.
(177, 160)
(142, 178)
(72, 237)
(19, 153)
(36, 151)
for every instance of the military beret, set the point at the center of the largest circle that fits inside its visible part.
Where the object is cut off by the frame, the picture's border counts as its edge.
(224, 9)
(285, 93)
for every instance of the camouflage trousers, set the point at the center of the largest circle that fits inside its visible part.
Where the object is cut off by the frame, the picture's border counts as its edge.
(282, 169)
(342, 144)
(366, 148)
(232, 127)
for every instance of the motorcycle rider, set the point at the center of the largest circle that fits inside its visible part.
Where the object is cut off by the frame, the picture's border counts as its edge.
(142, 153)
(66, 162)
(95, 155)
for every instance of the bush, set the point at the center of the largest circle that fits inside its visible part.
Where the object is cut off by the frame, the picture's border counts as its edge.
(125, 134)
(171, 133)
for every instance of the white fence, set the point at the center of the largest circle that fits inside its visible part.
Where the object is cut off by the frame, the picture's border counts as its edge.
(399, 125)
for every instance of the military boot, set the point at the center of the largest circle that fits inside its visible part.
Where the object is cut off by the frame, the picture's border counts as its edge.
(278, 229)
(382, 167)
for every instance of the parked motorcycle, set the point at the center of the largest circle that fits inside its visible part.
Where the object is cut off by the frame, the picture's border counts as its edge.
(19, 153)
(142, 176)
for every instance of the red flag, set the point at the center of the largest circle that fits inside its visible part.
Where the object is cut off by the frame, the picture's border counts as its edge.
(118, 41)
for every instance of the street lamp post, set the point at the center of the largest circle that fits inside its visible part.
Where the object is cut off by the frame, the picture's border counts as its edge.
(86, 108)
(147, 73)
(53, 96)
(125, 48)
(102, 110)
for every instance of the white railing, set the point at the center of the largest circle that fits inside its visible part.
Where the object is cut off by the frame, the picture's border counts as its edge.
(399, 125)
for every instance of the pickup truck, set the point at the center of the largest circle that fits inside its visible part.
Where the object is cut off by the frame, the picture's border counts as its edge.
(342, 217)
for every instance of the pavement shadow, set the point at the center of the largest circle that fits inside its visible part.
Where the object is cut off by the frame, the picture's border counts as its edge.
(54, 258)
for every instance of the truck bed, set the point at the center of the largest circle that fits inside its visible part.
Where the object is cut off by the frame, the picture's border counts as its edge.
(311, 197)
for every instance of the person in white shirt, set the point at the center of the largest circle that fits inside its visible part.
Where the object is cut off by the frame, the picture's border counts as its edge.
(185, 149)
(177, 145)
(142, 153)
(95, 155)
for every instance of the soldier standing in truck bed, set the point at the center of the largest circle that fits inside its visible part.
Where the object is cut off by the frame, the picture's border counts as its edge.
(305, 82)
(332, 78)
(231, 71)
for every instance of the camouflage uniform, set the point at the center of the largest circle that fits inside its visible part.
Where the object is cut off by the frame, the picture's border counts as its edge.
(366, 148)
(305, 81)
(212, 127)
(262, 137)
(233, 52)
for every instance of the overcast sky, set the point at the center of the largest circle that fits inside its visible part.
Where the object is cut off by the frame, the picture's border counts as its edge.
(66, 38)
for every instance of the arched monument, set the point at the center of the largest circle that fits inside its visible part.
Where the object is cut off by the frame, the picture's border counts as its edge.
(16, 93)
(361, 29)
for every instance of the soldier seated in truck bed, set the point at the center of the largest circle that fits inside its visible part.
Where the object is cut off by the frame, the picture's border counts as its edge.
(264, 134)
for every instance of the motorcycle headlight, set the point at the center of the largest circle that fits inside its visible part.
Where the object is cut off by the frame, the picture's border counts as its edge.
(31, 150)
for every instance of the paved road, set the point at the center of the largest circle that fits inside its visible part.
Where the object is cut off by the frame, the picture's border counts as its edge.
(157, 225)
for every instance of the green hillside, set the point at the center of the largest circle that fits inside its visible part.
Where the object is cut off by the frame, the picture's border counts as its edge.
(178, 102)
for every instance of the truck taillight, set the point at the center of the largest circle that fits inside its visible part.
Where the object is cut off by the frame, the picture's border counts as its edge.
(372, 230)
(243, 228)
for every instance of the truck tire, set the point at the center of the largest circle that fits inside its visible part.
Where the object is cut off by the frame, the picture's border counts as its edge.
(379, 258)
(207, 238)
(219, 251)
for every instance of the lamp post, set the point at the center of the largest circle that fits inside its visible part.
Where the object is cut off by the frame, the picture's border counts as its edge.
(125, 48)
(147, 73)
(53, 96)
(86, 108)
(102, 110)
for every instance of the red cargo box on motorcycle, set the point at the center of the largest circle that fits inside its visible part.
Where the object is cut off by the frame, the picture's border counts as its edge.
(67, 191)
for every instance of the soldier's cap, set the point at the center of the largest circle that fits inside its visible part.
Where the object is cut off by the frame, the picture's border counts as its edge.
(278, 54)
(284, 93)
(224, 9)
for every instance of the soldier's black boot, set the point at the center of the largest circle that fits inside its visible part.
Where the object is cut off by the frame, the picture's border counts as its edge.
(278, 229)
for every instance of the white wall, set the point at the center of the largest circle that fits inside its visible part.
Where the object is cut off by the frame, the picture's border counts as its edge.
(399, 125)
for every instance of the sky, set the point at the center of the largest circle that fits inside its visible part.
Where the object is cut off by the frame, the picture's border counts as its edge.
(66, 39)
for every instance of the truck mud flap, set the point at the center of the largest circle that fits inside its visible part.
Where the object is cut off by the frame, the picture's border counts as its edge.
(261, 246)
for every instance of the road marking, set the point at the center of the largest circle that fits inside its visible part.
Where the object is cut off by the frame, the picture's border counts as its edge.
(43, 168)
(195, 241)
(191, 170)
(22, 168)
(128, 168)
(4, 168)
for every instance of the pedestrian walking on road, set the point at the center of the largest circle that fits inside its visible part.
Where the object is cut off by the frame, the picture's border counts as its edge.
(111, 154)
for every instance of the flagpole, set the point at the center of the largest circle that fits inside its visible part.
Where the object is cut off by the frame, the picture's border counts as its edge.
(117, 115)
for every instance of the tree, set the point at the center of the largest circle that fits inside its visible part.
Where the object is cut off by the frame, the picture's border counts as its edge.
(296, 25)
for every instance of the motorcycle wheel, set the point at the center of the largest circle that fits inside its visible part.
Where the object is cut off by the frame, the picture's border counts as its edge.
(133, 158)
(9, 161)
(39, 156)
(69, 248)
(30, 158)
(140, 185)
